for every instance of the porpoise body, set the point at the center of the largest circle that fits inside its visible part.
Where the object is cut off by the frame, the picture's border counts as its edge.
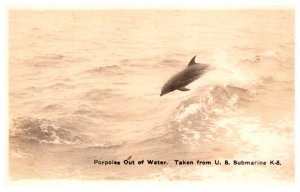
(178, 82)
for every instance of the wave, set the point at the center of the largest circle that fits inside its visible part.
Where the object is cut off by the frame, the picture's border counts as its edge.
(107, 70)
(54, 60)
(61, 86)
(50, 60)
(193, 122)
(96, 94)
(43, 131)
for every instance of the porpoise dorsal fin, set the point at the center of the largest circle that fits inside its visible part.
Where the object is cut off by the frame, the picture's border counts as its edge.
(192, 62)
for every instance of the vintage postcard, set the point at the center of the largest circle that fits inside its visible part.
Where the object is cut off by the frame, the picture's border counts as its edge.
(188, 94)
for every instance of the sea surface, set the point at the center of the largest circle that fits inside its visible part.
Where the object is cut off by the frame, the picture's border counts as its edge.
(84, 85)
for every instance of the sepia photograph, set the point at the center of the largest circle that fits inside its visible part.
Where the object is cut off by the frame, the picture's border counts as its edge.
(152, 94)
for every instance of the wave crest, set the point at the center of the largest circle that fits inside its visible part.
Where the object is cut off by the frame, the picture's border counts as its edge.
(42, 131)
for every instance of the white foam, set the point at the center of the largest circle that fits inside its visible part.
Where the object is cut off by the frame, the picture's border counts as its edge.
(270, 53)
(191, 109)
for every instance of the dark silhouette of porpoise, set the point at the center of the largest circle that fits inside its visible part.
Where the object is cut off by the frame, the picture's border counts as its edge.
(178, 82)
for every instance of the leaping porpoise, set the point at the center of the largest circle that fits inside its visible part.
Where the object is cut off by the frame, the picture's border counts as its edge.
(178, 82)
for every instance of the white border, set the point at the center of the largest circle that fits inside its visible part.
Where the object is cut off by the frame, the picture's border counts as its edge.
(3, 96)
(152, 2)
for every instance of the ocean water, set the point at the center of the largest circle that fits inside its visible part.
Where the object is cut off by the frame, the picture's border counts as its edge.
(84, 85)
